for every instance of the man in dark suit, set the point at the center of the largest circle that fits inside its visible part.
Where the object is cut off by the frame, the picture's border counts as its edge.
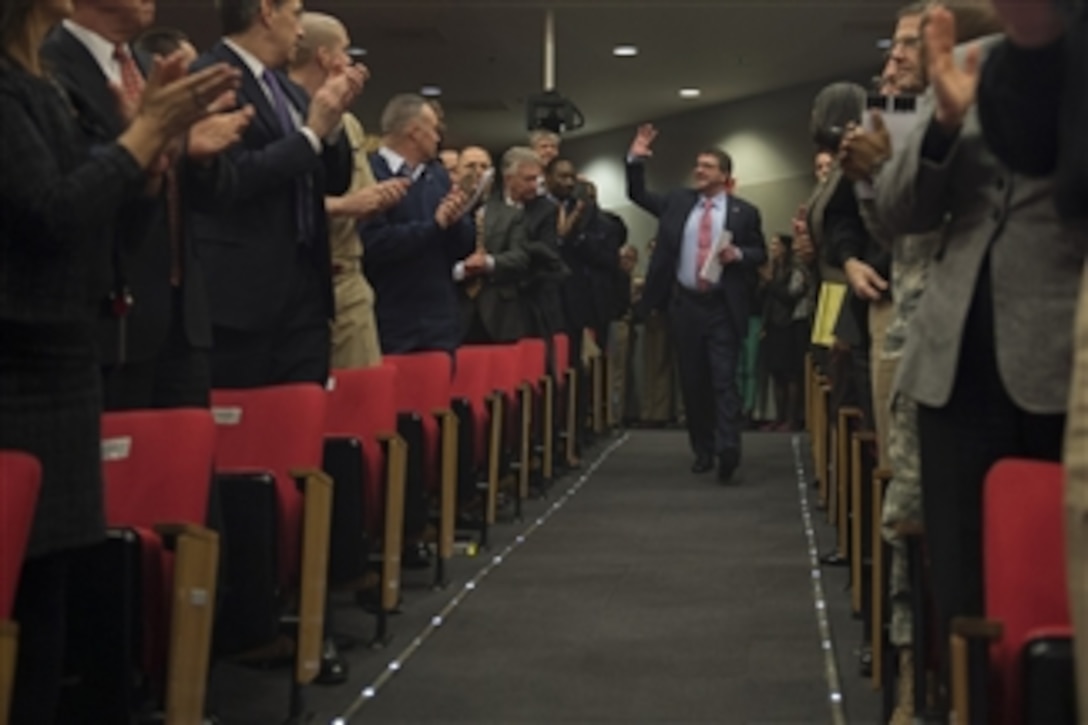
(709, 318)
(155, 331)
(265, 251)
(411, 248)
(493, 309)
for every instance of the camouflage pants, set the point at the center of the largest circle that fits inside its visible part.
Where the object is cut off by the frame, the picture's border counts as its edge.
(903, 502)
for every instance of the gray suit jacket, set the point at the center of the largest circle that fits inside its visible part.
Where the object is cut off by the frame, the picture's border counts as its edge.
(1035, 264)
(501, 306)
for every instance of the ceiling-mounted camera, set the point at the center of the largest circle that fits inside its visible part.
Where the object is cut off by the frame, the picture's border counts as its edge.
(552, 112)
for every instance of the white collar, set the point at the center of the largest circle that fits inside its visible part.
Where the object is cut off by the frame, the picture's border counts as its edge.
(397, 162)
(252, 62)
(100, 49)
(511, 202)
(718, 200)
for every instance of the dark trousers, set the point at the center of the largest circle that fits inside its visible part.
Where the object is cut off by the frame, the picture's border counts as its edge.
(178, 377)
(708, 354)
(40, 612)
(294, 350)
(959, 443)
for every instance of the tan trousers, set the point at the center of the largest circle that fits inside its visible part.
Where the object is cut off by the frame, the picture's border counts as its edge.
(619, 363)
(355, 331)
(882, 370)
(1076, 499)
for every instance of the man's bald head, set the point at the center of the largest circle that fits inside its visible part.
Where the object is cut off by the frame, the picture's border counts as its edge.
(325, 42)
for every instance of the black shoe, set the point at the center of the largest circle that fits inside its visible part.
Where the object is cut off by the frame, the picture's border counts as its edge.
(416, 556)
(702, 464)
(334, 670)
(727, 465)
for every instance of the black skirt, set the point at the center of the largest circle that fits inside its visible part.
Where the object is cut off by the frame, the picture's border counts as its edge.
(51, 407)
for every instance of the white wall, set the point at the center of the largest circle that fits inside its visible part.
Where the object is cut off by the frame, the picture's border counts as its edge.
(767, 136)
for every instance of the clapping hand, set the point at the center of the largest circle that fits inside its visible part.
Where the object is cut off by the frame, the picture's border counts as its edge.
(451, 208)
(476, 263)
(862, 152)
(219, 131)
(954, 87)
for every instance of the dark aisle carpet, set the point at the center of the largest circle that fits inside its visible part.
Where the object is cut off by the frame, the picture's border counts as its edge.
(651, 595)
(654, 595)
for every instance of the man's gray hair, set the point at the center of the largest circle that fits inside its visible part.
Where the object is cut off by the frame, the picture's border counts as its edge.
(400, 112)
(542, 135)
(516, 157)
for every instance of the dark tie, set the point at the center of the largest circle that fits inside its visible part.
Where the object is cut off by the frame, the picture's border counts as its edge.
(304, 183)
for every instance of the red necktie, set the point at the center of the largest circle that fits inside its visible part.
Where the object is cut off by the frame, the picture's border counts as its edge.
(132, 80)
(706, 240)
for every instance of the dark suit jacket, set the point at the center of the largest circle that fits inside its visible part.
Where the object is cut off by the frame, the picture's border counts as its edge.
(141, 253)
(672, 211)
(502, 309)
(546, 267)
(249, 242)
(409, 261)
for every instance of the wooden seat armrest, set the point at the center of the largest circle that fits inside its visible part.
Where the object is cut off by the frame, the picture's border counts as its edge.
(316, 487)
(978, 628)
(966, 630)
(170, 531)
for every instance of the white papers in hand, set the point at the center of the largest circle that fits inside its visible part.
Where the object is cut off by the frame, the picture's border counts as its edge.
(712, 267)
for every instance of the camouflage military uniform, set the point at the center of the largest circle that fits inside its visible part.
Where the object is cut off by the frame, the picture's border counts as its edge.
(903, 502)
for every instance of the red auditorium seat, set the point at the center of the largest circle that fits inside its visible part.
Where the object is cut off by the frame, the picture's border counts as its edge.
(367, 459)
(481, 410)
(20, 481)
(157, 467)
(276, 513)
(1026, 598)
(423, 400)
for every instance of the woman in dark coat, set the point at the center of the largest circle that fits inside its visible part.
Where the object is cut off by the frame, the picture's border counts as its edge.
(57, 201)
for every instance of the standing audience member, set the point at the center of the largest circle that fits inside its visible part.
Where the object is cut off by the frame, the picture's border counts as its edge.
(493, 309)
(265, 250)
(411, 248)
(58, 202)
(154, 327)
(787, 287)
(1031, 104)
(709, 318)
(989, 349)
(322, 54)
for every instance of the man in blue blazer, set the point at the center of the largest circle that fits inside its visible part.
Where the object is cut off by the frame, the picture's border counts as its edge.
(412, 248)
(265, 250)
(709, 318)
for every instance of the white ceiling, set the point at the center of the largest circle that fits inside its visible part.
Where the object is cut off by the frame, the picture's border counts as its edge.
(487, 55)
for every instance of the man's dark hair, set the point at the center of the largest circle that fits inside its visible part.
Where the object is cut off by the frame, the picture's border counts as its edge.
(555, 162)
(237, 16)
(725, 161)
(160, 41)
